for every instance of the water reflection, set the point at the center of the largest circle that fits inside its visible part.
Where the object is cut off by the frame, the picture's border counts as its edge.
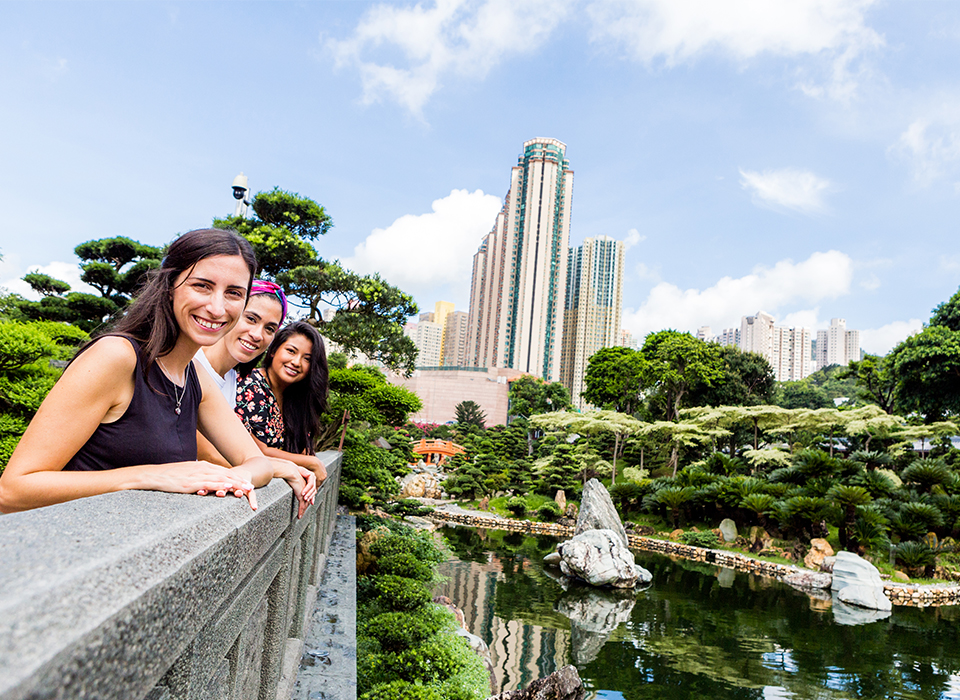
(697, 632)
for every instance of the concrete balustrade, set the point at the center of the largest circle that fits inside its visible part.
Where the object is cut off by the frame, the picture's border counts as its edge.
(161, 596)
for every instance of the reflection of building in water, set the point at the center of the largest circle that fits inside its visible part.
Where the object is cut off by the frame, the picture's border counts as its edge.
(520, 652)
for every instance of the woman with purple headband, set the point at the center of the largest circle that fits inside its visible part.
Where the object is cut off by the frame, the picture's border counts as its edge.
(243, 345)
(237, 354)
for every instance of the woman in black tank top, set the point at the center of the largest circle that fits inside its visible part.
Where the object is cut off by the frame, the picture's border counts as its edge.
(126, 410)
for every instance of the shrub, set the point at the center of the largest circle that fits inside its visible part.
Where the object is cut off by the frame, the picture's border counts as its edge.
(706, 539)
(517, 505)
(549, 511)
(397, 631)
(915, 555)
(398, 593)
(401, 690)
(408, 506)
(406, 565)
(420, 545)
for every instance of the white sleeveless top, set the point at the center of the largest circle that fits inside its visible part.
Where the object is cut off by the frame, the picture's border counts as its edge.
(227, 383)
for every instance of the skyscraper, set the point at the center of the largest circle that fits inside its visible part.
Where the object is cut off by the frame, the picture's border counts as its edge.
(837, 345)
(520, 270)
(594, 304)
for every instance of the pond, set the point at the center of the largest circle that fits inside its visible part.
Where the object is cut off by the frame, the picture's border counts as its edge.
(698, 631)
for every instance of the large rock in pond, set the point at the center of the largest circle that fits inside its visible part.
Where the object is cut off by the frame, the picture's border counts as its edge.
(564, 684)
(601, 559)
(597, 512)
(863, 580)
(728, 530)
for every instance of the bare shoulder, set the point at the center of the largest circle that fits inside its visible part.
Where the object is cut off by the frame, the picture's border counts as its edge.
(109, 359)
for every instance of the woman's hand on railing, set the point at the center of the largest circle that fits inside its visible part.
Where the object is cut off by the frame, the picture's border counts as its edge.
(301, 480)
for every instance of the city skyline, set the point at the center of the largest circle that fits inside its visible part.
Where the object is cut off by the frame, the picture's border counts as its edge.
(798, 157)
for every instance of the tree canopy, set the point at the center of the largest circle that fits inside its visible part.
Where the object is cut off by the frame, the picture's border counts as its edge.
(361, 313)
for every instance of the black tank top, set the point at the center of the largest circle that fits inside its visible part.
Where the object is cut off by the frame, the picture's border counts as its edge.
(149, 431)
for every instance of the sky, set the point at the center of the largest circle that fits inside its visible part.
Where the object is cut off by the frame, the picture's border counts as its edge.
(800, 157)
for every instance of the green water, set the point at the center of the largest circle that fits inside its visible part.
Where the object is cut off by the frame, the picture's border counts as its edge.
(697, 632)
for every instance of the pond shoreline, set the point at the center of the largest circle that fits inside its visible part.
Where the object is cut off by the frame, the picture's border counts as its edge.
(903, 594)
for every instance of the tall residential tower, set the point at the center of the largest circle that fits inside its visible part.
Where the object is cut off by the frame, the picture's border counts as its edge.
(520, 270)
(594, 304)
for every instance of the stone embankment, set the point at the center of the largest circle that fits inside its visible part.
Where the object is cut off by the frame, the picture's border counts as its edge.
(902, 594)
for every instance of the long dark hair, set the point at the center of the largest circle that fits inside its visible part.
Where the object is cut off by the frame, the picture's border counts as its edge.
(150, 320)
(306, 400)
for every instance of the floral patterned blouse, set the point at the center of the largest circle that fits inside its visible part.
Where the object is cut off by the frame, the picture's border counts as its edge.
(258, 409)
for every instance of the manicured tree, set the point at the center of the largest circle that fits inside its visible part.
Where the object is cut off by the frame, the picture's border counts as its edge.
(469, 413)
(676, 363)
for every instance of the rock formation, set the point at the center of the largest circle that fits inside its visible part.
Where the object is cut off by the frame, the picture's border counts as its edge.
(820, 549)
(597, 511)
(857, 582)
(601, 559)
(564, 684)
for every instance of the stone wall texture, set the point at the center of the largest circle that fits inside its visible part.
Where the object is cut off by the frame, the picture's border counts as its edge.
(162, 596)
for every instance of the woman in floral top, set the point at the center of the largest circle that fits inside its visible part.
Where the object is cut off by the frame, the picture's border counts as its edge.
(281, 402)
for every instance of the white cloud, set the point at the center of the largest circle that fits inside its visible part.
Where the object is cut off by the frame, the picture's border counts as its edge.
(68, 272)
(787, 284)
(931, 146)
(950, 263)
(451, 39)
(632, 239)
(419, 252)
(678, 31)
(805, 318)
(787, 188)
(879, 341)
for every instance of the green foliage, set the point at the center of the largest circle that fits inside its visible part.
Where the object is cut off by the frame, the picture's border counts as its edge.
(927, 367)
(676, 364)
(399, 594)
(469, 413)
(876, 382)
(408, 506)
(402, 690)
(531, 395)
(396, 631)
(405, 564)
(419, 545)
(801, 394)
(747, 380)
(915, 555)
(707, 539)
(549, 511)
(517, 505)
(927, 474)
(614, 379)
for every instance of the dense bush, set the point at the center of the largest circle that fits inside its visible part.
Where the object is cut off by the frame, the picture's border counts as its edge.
(399, 593)
(549, 511)
(420, 545)
(396, 631)
(517, 505)
(402, 690)
(706, 539)
(406, 565)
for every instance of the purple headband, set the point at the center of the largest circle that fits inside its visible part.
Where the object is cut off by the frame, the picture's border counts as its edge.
(272, 288)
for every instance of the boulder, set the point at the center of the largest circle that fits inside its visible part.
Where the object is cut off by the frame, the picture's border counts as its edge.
(564, 684)
(420, 486)
(863, 580)
(600, 558)
(728, 530)
(759, 539)
(571, 511)
(804, 580)
(561, 499)
(597, 512)
(901, 576)
(820, 549)
(484, 503)
(871, 597)
(552, 559)
(675, 535)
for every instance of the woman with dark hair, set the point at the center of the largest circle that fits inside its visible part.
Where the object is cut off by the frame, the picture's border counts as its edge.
(125, 412)
(281, 402)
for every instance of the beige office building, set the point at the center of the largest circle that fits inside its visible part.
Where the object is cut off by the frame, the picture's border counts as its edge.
(520, 269)
(594, 305)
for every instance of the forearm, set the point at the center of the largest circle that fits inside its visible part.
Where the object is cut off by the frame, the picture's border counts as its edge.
(259, 469)
(45, 488)
(307, 461)
(206, 451)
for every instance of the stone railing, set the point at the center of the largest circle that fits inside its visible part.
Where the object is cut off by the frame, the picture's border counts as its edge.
(161, 596)
(899, 593)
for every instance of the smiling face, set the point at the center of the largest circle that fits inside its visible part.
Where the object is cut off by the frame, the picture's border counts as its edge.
(255, 330)
(291, 362)
(209, 298)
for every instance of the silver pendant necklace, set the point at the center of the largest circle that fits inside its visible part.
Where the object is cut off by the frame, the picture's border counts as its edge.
(178, 396)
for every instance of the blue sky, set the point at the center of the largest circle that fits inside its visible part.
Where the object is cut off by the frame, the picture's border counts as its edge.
(796, 156)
